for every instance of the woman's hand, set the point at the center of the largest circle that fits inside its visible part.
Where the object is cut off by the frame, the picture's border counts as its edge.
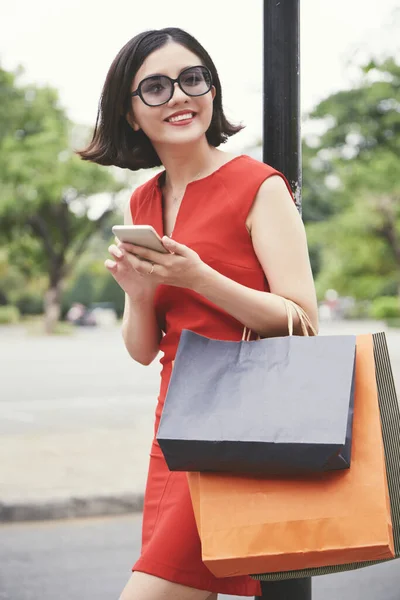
(122, 268)
(181, 267)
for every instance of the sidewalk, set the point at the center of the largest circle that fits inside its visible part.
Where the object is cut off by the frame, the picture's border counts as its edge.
(90, 473)
(76, 425)
(75, 433)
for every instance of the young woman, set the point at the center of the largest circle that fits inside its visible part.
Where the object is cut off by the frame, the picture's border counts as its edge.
(237, 246)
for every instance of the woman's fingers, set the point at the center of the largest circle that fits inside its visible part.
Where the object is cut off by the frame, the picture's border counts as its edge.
(174, 247)
(142, 267)
(110, 264)
(144, 253)
(115, 251)
(145, 268)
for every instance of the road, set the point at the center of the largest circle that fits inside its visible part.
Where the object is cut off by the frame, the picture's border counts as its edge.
(81, 411)
(92, 558)
(60, 388)
(68, 383)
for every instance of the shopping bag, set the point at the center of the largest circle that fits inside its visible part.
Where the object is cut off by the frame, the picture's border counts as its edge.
(271, 406)
(390, 419)
(303, 523)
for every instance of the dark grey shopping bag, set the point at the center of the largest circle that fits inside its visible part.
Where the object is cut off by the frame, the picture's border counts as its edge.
(276, 405)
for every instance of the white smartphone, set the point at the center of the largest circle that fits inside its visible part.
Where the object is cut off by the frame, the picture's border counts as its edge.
(140, 235)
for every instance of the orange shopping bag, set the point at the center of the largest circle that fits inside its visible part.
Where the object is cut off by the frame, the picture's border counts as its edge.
(260, 525)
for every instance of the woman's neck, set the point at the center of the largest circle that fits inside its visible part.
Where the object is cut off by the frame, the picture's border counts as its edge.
(184, 165)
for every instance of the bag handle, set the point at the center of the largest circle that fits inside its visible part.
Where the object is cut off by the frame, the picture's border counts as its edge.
(304, 319)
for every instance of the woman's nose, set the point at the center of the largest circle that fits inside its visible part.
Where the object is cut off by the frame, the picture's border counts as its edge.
(178, 94)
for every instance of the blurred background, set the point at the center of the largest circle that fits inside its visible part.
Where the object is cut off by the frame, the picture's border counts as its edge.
(56, 211)
(76, 413)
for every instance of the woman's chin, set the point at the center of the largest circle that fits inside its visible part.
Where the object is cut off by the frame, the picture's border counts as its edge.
(188, 137)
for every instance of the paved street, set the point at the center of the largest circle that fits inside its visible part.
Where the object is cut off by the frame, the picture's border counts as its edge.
(76, 420)
(79, 411)
(92, 558)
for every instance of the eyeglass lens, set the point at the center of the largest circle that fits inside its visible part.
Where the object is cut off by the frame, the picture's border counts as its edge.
(195, 81)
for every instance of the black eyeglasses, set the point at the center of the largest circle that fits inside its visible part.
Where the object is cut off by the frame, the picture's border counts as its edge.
(159, 89)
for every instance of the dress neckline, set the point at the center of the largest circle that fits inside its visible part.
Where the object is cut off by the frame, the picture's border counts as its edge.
(157, 188)
(226, 164)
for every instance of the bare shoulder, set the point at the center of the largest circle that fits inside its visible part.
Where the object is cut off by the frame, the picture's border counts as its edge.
(273, 201)
(279, 240)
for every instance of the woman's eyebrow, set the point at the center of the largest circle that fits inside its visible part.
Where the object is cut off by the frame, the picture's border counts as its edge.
(163, 74)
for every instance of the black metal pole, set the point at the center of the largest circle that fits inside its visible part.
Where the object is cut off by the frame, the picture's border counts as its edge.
(282, 136)
(282, 150)
(292, 589)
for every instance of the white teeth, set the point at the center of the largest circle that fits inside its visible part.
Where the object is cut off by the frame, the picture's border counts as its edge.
(181, 117)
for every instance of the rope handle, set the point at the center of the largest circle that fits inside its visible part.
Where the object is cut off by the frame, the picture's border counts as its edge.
(304, 319)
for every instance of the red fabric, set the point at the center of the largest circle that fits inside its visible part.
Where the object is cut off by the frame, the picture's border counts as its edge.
(211, 221)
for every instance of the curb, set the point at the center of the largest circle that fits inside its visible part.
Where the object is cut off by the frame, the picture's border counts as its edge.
(71, 508)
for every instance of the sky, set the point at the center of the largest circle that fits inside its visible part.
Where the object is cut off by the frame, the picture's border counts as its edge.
(70, 45)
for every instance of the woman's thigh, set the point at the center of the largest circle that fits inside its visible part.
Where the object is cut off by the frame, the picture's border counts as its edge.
(142, 586)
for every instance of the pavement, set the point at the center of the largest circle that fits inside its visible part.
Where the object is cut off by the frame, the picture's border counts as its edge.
(76, 421)
(92, 558)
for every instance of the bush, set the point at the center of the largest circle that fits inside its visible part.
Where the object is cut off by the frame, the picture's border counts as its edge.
(94, 285)
(29, 304)
(386, 307)
(9, 315)
(82, 290)
(111, 292)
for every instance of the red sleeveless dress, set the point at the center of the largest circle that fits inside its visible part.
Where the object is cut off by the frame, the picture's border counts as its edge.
(211, 221)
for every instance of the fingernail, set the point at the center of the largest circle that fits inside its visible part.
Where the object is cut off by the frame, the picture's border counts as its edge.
(110, 264)
(118, 252)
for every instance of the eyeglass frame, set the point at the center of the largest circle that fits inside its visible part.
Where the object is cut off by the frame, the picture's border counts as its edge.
(138, 91)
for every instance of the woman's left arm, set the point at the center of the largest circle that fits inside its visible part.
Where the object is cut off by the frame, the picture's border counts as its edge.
(280, 243)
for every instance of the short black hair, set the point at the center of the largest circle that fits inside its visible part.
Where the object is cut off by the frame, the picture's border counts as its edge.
(114, 142)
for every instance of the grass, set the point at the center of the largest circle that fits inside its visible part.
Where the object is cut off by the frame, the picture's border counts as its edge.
(393, 323)
(34, 325)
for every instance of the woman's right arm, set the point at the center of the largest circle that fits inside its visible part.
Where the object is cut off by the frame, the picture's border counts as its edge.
(140, 329)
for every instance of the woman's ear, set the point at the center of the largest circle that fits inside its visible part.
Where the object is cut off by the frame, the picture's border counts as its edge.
(132, 122)
(213, 91)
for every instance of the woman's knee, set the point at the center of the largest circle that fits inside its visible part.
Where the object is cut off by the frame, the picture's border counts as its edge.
(142, 586)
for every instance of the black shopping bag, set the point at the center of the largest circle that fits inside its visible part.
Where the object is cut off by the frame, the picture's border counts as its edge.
(270, 406)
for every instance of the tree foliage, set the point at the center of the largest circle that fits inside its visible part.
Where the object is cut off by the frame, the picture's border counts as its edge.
(46, 191)
(359, 241)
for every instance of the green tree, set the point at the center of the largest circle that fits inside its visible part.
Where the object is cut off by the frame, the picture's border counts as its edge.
(359, 243)
(46, 191)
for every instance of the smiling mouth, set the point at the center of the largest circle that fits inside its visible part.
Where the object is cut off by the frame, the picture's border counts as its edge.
(183, 117)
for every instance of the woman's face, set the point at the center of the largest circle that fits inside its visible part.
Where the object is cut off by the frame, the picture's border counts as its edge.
(170, 60)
